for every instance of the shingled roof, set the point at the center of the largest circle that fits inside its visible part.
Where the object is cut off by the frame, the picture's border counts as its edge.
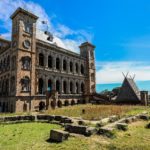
(129, 92)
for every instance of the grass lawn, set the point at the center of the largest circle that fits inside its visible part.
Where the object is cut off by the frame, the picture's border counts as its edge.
(33, 136)
(95, 112)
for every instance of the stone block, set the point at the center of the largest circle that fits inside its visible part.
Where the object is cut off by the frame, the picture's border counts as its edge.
(129, 120)
(58, 135)
(148, 125)
(90, 131)
(76, 129)
(81, 122)
(45, 117)
(144, 117)
(113, 118)
(11, 118)
(29, 118)
(58, 118)
(107, 131)
(122, 126)
(66, 120)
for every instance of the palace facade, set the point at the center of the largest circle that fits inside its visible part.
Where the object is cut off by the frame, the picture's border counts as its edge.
(35, 62)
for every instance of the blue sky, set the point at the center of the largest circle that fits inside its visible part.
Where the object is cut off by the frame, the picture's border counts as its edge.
(120, 29)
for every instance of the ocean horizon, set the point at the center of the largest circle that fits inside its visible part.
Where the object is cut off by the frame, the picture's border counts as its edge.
(142, 85)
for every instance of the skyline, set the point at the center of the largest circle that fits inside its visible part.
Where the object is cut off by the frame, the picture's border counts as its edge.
(120, 31)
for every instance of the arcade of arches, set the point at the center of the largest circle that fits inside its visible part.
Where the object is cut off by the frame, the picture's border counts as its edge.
(62, 86)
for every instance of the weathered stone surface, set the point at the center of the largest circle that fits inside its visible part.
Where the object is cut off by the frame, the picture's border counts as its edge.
(58, 118)
(81, 122)
(107, 131)
(122, 126)
(30, 118)
(113, 118)
(148, 125)
(66, 120)
(90, 131)
(58, 135)
(19, 118)
(1, 119)
(76, 129)
(144, 117)
(45, 117)
(129, 120)
(105, 120)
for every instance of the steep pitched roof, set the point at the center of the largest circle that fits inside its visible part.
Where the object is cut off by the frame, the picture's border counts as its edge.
(129, 92)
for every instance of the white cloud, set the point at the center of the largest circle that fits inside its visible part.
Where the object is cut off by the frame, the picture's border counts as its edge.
(111, 72)
(58, 29)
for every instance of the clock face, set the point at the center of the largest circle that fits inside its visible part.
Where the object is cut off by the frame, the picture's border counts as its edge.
(26, 44)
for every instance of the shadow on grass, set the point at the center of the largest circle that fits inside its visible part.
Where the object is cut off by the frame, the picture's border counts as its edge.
(53, 141)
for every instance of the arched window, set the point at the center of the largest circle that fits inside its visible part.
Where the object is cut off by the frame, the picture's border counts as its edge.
(64, 65)
(57, 63)
(41, 85)
(76, 68)
(82, 69)
(4, 63)
(28, 27)
(8, 62)
(71, 87)
(12, 83)
(82, 87)
(49, 84)
(41, 59)
(41, 106)
(26, 63)
(71, 66)
(0, 88)
(50, 61)
(25, 83)
(13, 64)
(7, 87)
(77, 87)
(24, 107)
(65, 87)
(58, 86)
(1, 65)
(3, 87)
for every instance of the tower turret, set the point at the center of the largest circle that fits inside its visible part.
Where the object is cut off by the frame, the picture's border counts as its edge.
(87, 51)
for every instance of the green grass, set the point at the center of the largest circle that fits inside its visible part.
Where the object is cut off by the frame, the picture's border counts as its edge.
(96, 112)
(136, 138)
(27, 136)
(33, 136)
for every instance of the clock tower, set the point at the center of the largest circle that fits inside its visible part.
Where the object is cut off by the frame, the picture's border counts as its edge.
(87, 51)
(23, 49)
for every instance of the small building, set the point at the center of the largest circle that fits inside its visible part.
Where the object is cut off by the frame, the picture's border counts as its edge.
(129, 92)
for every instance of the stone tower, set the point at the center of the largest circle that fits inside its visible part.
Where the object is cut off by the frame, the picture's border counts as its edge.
(87, 51)
(23, 52)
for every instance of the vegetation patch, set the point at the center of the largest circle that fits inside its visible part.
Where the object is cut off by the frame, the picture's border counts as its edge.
(96, 112)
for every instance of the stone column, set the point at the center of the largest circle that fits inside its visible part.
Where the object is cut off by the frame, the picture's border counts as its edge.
(74, 87)
(61, 86)
(46, 60)
(54, 84)
(68, 86)
(54, 62)
(46, 82)
(79, 68)
(61, 63)
(68, 65)
(79, 84)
